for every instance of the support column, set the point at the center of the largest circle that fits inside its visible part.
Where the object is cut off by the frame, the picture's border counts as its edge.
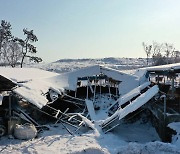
(94, 90)
(87, 89)
(164, 107)
(100, 87)
(172, 85)
(9, 114)
(109, 88)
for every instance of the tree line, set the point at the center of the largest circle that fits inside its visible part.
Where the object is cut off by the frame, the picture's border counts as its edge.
(14, 50)
(161, 53)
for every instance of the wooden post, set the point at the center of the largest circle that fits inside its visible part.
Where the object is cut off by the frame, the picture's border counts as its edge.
(164, 121)
(94, 90)
(109, 88)
(164, 108)
(116, 85)
(158, 79)
(75, 93)
(9, 122)
(87, 88)
(100, 87)
(172, 85)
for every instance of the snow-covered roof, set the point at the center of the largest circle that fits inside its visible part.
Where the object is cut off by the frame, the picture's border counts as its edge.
(24, 74)
(34, 92)
(30, 81)
(34, 83)
(69, 80)
(169, 67)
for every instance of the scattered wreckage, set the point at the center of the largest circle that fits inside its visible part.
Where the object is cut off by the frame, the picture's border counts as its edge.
(92, 96)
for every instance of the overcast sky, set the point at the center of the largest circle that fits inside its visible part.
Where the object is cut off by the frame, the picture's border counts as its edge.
(94, 28)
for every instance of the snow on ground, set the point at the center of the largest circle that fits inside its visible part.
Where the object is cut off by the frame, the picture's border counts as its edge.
(128, 138)
(176, 138)
(55, 140)
(139, 132)
(149, 148)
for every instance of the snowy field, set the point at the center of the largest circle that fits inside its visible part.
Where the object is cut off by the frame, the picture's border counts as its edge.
(137, 137)
(67, 65)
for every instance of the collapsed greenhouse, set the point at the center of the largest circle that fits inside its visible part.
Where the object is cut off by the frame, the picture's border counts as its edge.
(95, 96)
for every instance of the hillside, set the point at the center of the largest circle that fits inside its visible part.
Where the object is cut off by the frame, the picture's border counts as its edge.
(66, 65)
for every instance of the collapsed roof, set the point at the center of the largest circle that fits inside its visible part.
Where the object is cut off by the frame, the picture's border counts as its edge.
(69, 80)
(33, 84)
(37, 86)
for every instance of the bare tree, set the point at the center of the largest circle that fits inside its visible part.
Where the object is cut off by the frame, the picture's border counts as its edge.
(169, 50)
(5, 34)
(162, 53)
(158, 59)
(11, 53)
(147, 49)
(157, 56)
(176, 55)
